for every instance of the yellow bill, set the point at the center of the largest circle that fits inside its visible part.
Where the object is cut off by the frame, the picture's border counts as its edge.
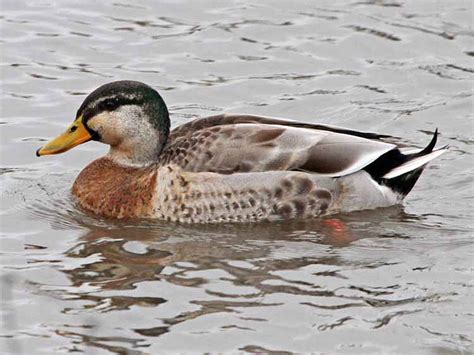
(76, 134)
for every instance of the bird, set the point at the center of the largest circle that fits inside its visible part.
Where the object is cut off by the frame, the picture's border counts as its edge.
(228, 167)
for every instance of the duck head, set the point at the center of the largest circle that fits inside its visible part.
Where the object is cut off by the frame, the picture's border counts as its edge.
(130, 116)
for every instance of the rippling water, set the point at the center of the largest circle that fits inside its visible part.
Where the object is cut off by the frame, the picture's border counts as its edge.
(395, 280)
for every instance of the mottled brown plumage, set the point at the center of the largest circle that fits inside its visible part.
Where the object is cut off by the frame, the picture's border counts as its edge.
(112, 190)
(168, 192)
(232, 143)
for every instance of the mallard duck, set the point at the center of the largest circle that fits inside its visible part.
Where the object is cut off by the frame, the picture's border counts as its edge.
(229, 167)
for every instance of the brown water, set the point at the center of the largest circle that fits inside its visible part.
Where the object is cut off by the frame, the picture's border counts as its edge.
(397, 280)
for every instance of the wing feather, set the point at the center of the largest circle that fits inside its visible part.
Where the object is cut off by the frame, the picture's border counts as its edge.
(229, 118)
(250, 144)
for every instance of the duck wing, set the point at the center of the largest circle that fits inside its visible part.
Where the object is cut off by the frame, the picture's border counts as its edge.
(228, 144)
(227, 119)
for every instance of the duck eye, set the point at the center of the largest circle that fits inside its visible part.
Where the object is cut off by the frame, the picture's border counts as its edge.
(109, 104)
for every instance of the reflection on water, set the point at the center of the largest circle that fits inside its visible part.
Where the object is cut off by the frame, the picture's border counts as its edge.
(239, 270)
(395, 280)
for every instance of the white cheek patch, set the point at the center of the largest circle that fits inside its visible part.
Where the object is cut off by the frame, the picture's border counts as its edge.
(106, 126)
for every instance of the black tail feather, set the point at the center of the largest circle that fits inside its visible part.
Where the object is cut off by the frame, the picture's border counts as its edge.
(402, 184)
(429, 148)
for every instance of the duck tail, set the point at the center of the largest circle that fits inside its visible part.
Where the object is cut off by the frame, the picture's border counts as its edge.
(402, 177)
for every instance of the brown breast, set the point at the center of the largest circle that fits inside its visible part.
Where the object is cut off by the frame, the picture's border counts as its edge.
(112, 190)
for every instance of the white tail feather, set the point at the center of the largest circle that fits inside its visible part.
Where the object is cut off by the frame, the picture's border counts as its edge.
(414, 164)
(410, 150)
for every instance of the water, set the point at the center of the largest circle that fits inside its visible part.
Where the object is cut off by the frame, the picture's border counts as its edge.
(396, 280)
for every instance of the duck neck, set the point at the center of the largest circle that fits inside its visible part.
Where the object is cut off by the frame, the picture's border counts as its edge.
(138, 152)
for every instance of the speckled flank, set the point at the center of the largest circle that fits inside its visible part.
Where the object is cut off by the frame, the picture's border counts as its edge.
(112, 190)
(168, 192)
(208, 197)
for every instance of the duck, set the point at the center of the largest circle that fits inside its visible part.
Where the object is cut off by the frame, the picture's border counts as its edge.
(228, 167)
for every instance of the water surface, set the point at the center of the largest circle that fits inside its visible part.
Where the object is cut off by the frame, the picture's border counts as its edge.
(396, 280)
